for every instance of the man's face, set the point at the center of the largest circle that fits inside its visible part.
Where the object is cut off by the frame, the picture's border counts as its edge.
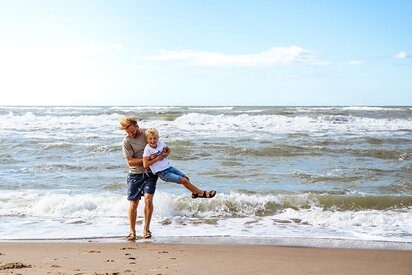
(132, 130)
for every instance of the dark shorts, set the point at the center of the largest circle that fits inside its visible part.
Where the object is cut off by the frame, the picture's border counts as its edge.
(140, 184)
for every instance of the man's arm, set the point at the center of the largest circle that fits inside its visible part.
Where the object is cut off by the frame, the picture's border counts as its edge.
(135, 161)
(128, 154)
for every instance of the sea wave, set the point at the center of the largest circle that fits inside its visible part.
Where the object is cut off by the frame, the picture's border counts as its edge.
(372, 108)
(220, 124)
(197, 122)
(220, 108)
(279, 171)
(236, 214)
(235, 204)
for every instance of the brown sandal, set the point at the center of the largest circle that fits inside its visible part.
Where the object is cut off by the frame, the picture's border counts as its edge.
(131, 237)
(147, 234)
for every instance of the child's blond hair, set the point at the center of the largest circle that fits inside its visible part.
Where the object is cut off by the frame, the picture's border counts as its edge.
(151, 131)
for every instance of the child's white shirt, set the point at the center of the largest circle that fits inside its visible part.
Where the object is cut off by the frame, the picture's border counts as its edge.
(159, 165)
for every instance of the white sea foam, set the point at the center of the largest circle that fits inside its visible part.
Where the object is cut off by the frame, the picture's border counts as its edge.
(277, 124)
(29, 119)
(198, 123)
(142, 109)
(371, 108)
(348, 108)
(179, 215)
(314, 109)
(211, 108)
(250, 111)
(60, 127)
(64, 205)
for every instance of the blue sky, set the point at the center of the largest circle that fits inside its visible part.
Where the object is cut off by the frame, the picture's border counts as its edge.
(205, 52)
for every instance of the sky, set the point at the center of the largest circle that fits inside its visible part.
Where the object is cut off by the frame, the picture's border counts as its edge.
(219, 53)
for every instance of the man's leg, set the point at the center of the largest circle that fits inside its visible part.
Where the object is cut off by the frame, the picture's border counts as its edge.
(133, 216)
(148, 211)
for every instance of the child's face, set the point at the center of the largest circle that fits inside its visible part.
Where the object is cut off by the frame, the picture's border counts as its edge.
(152, 140)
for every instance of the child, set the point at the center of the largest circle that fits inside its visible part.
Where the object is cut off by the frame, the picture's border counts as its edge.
(153, 158)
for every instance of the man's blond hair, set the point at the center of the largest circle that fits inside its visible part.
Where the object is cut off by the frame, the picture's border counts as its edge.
(127, 121)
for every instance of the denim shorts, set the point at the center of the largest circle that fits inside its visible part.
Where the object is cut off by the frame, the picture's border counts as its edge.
(171, 174)
(140, 184)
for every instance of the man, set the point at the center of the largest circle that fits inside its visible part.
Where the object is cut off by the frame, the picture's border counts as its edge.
(139, 181)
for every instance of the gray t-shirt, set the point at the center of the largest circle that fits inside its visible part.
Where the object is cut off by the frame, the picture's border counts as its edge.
(134, 147)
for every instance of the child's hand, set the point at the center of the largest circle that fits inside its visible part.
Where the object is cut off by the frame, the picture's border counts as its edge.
(165, 152)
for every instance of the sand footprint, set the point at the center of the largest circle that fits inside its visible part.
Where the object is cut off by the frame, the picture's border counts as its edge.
(15, 265)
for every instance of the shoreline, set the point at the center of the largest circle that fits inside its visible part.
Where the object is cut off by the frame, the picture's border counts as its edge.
(326, 243)
(159, 258)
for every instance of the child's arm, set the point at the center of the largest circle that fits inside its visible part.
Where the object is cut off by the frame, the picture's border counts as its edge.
(165, 153)
(147, 161)
(148, 158)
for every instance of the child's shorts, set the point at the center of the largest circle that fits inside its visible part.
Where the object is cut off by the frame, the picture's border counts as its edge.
(171, 174)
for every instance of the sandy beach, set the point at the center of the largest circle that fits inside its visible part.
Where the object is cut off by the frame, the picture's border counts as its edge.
(150, 258)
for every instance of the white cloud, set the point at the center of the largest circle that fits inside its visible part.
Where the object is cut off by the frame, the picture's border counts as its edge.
(273, 56)
(355, 62)
(117, 47)
(401, 55)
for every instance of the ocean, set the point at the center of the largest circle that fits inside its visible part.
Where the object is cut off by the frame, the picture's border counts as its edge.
(311, 176)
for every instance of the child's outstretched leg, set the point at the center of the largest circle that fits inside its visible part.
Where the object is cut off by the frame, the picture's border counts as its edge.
(196, 192)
